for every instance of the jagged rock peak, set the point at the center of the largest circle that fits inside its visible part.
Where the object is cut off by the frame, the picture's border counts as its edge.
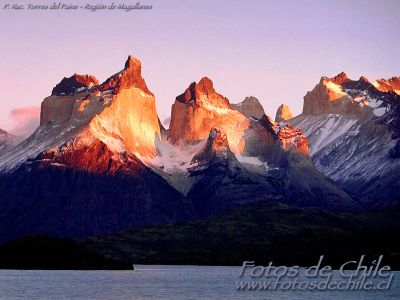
(206, 85)
(269, 124)
(250, 107)
(130, 76)
(216, 146)
(389, 85)
(218, 139)
(203, 91)
(198, 109)
(132, 62)
(73, 84)
(283, 113)
(393, 82)
(120, 113)
(364, 79)
(330, 96)
(340, 78)
(291, 138)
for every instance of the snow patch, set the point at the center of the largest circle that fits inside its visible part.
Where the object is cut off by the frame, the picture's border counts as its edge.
(325, 129)
(249, 160)
(81, 89)
(174, 158)
(380, 111)
(374, 103)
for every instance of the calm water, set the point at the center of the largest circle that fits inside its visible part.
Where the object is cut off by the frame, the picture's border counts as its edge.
(157, 282)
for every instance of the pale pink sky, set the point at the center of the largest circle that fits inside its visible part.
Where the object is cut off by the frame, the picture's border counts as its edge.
(274, 50)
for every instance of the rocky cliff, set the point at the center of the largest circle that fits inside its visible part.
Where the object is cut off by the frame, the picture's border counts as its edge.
(82, 172)
(287, 136)
(328, 97)
(270, 162)
(283, 113)
(250, 107)
(216, 146)
(119, 114)
(387, 85)
(357, 142)
(200, 108)
(75, 83)
(221, 180)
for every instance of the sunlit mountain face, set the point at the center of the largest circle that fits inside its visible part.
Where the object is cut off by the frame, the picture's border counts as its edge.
(101, 161)
(353, 128)
(391, 84)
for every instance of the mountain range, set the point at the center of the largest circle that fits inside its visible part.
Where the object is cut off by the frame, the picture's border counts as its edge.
(353, 128)
(101, 161)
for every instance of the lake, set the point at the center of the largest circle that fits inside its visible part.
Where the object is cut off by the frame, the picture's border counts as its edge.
(158, 282)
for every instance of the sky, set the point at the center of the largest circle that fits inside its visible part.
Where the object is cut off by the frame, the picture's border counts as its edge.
(273, 50)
